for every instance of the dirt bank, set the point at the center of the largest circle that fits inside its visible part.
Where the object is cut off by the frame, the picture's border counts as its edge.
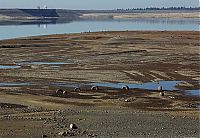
(174, 15)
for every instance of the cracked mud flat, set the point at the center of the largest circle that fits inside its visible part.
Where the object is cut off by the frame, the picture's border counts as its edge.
(105, 57)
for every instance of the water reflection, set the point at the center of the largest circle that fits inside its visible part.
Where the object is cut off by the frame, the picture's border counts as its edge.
(8, 67)
(60, 26)
(44, 26)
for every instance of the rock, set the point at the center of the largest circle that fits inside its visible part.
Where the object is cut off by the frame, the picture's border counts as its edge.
(62, 133)
(73, 126)
(77, 89)
(161, 94)
(64, 92)
(59, 91)
(127, 100)
(94, 88)
(44, 136)
(160, 88)
(125, 87)
(171, 97)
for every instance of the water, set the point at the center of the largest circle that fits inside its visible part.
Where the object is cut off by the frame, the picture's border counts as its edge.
(167, 85)
(44, 63)
(14, 84)
(14, 31)
(9, 67)
(193, 92)
(53, 64)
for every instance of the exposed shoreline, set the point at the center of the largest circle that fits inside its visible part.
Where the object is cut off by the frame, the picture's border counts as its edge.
(117, 56)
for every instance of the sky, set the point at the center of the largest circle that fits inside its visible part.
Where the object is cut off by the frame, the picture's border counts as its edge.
(97, 4)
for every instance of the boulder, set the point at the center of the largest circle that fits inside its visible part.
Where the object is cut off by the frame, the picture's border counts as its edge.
(125, 87)
(94, 88)
(73, 126)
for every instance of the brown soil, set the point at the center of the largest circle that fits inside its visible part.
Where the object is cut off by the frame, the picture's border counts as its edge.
(131, 57)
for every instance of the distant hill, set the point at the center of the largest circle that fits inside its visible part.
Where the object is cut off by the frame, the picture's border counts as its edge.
(163, 8)
(38, 13)
(75, 14)
(52, 16)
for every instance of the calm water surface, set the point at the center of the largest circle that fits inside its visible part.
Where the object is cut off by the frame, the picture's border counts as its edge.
(167, 85)
(14, 31)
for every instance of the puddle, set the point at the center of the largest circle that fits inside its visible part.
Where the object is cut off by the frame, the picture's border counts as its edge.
(45, 63)
(193, 92)
(9, 67)
(167, 85)
(10, 84)
(198, 106)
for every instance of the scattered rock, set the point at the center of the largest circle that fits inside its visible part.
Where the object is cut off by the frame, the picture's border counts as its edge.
(130, 99)
(190, 105)
(171, 97)
(62, 133)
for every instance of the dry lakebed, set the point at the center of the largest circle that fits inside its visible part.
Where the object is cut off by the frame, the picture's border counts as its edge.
(105, 83)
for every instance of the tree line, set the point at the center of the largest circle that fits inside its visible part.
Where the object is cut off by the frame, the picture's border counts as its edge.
(162, 8)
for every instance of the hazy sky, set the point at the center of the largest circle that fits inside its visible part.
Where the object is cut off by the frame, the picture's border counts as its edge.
(96, 4)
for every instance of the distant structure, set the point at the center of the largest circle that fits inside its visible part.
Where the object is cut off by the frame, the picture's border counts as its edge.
(45, 7)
